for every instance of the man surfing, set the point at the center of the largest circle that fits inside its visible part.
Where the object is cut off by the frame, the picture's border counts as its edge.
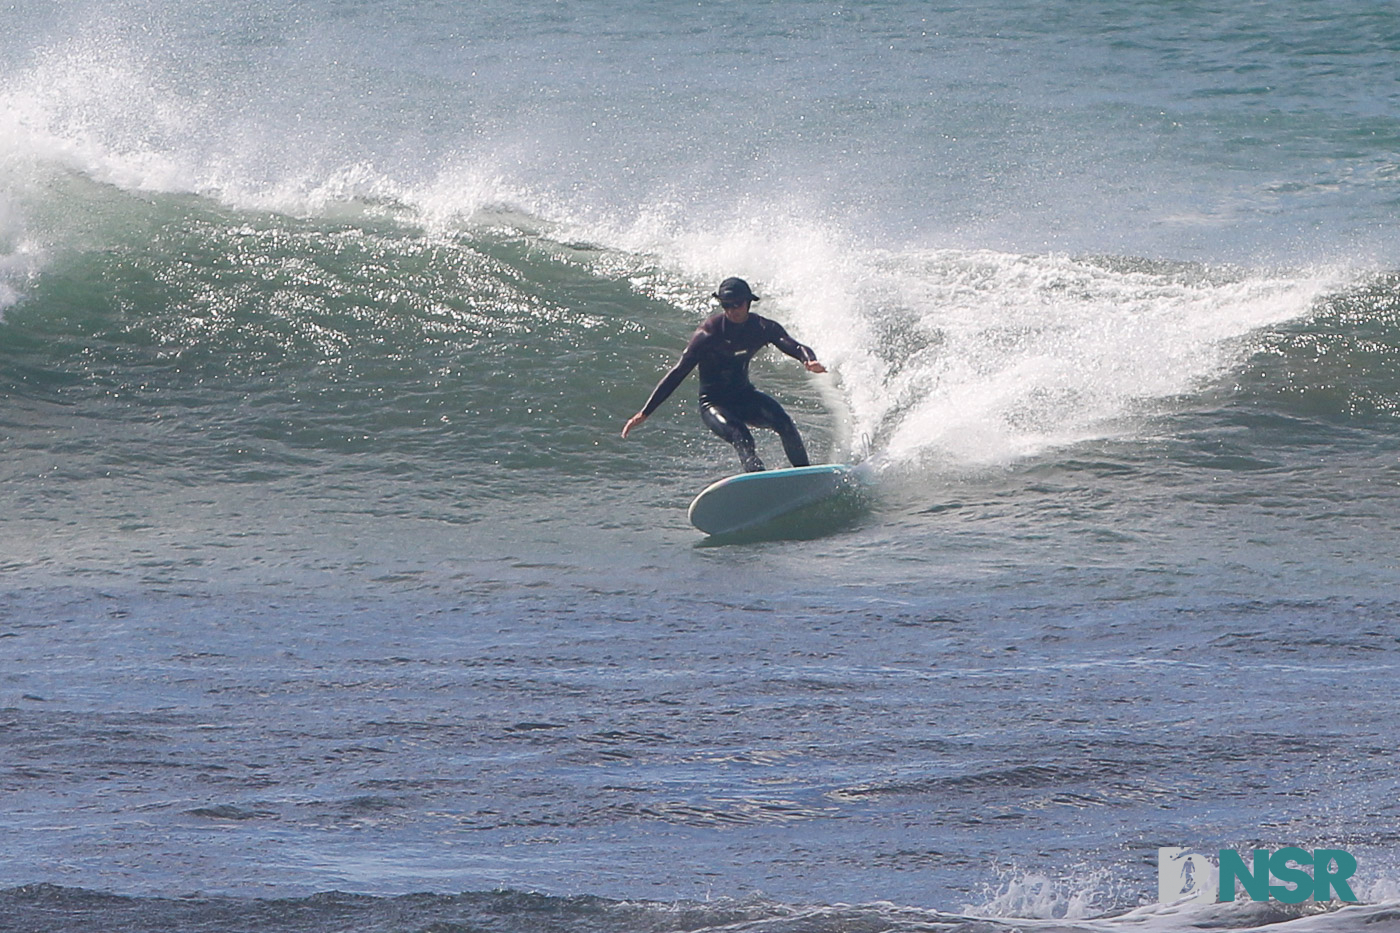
(722, 347)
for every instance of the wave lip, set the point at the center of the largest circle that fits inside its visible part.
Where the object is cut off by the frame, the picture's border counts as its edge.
(979, 358)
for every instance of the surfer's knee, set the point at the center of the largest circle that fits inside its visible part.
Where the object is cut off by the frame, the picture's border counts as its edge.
(717, 420)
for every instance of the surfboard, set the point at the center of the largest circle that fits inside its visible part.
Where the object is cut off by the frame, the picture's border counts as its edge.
(739, 503)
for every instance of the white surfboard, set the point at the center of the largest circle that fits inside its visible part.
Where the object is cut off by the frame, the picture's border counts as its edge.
(748, 500)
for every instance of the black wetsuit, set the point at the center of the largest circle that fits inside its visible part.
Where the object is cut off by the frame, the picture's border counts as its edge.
(728, 401)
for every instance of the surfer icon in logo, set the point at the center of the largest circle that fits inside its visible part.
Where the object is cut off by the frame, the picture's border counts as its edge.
(729, 404)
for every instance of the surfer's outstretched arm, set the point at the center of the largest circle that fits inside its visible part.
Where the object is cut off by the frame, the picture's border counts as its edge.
(663, 391)
(798, 351)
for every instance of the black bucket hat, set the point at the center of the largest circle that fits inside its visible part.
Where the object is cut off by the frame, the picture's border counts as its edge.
(734, 291)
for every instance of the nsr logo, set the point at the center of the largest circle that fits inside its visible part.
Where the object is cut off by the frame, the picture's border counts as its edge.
(1182, 873)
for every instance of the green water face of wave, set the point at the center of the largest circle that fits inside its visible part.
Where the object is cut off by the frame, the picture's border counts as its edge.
(217, 344)
(309, 342)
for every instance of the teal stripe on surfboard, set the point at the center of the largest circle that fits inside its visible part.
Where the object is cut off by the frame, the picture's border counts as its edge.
(738, 503)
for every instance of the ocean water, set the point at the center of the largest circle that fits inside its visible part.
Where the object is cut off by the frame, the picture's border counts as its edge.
(331, 599)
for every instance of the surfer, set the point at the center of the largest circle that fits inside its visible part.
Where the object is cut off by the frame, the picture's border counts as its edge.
(722, 347)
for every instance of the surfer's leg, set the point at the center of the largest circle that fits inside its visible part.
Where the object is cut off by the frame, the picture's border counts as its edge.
(724, 423)
(765, 412)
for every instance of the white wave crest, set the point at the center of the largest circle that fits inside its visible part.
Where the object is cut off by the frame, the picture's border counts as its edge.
(972, 358)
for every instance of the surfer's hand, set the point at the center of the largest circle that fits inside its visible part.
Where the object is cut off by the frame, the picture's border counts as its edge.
(632, 422)
(812, 367)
